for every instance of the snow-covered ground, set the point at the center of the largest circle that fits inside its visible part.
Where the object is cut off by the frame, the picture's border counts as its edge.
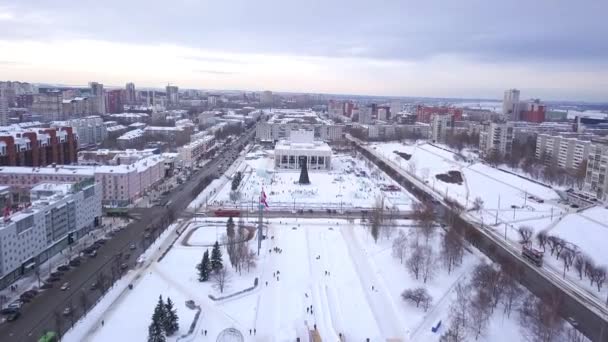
(351, 183)
(353, 284)
(509, 202)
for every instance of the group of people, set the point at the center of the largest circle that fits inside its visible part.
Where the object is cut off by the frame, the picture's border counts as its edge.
(276, 250)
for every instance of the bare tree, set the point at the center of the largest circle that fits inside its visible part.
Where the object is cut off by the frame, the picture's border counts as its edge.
(479, 312)
(452, 249)
(415, 261)
(556, 245)
(377, 219)
(541, 239)
(511, 289)
(477, 204)
(487, 278)
(539, 319)
(250, 259)
(525, 234)
(424, 214)
(400, 246)
(567, 257)
(419, 296)
(598, 275)
(429, 263)
(579, 265)
(221, 279)
(459, 321)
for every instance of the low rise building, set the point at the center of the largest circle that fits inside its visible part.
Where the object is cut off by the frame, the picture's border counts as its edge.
(301, 147)
(131, 139)
(174, 135)
(190, 153)
(129, 118)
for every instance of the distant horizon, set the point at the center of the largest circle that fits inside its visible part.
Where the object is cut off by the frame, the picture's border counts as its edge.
(162, 88)
(432, 49)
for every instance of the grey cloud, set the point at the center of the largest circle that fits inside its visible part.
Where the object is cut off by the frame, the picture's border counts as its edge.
(517, 30)
(215, 72)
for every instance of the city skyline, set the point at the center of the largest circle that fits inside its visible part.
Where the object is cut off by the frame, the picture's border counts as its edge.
(398, 49)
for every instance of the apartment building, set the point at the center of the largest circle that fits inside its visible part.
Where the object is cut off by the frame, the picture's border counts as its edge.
(190, 153)
(596, 179)
(496, 139)
(37, 146)
(91, 130)
(441, 127)
(563, 151)
(58, 215)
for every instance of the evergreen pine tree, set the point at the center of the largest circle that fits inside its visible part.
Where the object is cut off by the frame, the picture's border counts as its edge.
(230, 228)
(156, 333)
(304, 173)
(171, 324)
(204, 267)
(216, 258)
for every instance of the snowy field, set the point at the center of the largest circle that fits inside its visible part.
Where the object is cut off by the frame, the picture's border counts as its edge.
(506, 198)
(353, 284)
(351, 183)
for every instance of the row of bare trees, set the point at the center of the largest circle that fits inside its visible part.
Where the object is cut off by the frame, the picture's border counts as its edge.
(569, 254)
(239, 253)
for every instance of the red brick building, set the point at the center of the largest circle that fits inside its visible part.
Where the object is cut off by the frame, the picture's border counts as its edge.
(38, 147)
(115, 101)
(424, 113)
(535, 112)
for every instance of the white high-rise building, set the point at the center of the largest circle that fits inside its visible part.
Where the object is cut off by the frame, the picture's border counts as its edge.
(365, 115)
(131, 95)
(440, 126)
(172, 95)
(510, 104)
(3, 107)
(266, 97)
(496, 138)
(396, 107)
(97, 92)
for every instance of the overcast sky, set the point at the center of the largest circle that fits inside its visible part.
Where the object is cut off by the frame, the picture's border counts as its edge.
(552, 49)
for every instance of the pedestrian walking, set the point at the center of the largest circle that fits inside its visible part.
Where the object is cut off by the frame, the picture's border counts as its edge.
(205, 332)
(307, 310)
(254, 331)
(249, 331)
(102, 322)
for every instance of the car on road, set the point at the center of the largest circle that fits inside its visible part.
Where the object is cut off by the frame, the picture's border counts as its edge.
(65, 286)
(8, 311)
(93, 254)
(93, 286)
(132, 245)
(13, 316)
(67, 311)
(63, 268)
(75, 261)
(16, 304)
(124, 266)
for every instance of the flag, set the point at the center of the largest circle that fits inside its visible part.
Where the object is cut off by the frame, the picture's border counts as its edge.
(263, 198)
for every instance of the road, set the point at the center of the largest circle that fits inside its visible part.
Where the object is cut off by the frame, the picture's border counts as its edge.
(39, 316)
(589, 313)
(311, 214)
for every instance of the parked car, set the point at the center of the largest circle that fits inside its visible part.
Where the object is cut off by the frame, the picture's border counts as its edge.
(124, 266)
(8, 311)
(46, 285)
(56, 274)
(65, 286)
(13, 316)
(16, 304)
(93, 254)
(63, 268)
(93, 286)
(132, 246)
(67, 311)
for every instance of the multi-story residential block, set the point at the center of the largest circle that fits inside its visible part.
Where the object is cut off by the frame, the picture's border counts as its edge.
(90, 130)
(130, 94)
(48, 105)
(115, 100)
(129, 118)
(121, 184)
(59, 214)
(365, 115)
(496, 139)
(174, 135)
(441, 127)
(98, 97)
(190, 153)
(561, 150)
(510, 104)
(172, 95)
(266, 97)
(37, 146)
(131, 139)
(282, 123)
(3, 106)
(424, 113)
(596, 179)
